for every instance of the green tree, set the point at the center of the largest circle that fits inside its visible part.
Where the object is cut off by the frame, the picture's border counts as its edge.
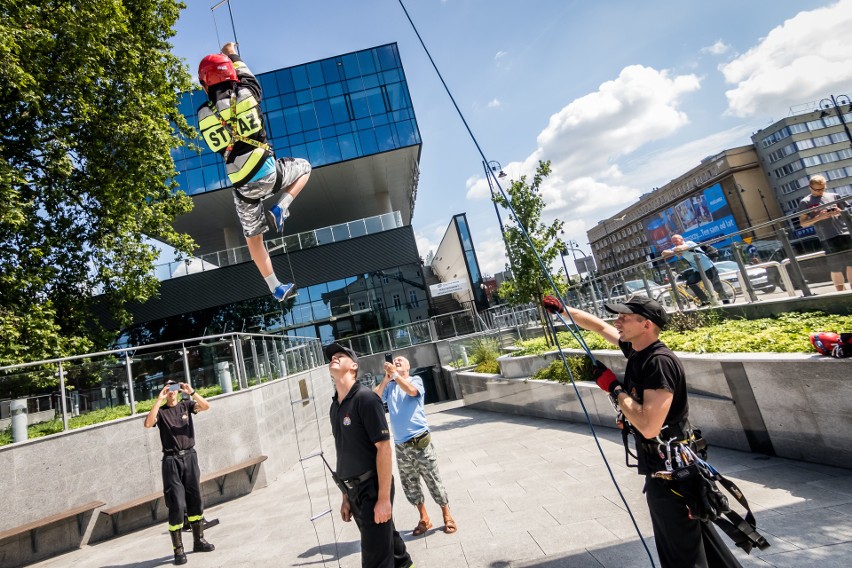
(88, 102)
(528, 283)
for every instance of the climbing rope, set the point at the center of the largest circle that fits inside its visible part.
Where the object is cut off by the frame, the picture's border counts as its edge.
(547, 275)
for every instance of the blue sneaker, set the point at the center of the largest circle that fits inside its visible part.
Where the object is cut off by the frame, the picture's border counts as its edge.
(276, 217)
(284, 292)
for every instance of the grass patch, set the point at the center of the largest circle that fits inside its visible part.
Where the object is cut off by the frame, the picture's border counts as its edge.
(93, 417)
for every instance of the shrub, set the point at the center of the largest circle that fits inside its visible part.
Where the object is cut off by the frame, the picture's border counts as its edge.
(707, 332)
(484, 349)
(491, 367)
(581, 369)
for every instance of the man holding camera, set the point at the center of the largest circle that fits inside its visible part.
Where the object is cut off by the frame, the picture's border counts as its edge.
(181, 474)
(653, 400)
(829, 228)
(415, 455)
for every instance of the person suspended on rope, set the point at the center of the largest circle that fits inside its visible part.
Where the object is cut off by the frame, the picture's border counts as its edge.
(231, 124)
(654, 403)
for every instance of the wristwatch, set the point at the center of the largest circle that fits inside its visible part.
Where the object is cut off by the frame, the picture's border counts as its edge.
(192, 393)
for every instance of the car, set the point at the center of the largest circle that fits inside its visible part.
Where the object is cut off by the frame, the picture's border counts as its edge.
(730, 272)
(635, 288)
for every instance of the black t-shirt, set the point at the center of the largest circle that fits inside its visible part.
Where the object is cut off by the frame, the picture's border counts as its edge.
(358, 423)
(175, 425)
(655, 367)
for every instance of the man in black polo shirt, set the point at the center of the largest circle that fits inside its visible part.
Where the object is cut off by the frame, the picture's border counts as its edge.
(362, 441)
(181, 474)
(654, 402)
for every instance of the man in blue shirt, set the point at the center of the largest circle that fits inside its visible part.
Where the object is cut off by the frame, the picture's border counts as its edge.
(692, 254)
(415, 455)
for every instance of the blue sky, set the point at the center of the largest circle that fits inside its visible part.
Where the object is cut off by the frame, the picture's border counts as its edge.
(621, 96)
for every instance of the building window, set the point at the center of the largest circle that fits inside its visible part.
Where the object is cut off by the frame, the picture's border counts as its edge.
(397, 302)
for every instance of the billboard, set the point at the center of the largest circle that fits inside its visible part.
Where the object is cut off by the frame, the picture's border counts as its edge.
(699, 218)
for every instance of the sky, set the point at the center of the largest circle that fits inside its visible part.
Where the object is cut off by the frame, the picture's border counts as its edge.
(621, 96)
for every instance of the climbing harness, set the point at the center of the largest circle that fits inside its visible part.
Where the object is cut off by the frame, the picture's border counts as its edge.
(689, 475)
(697, 483)
(230, 127)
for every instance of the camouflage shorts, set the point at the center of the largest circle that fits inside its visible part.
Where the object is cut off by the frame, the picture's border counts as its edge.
(414, 463)
(250, 210)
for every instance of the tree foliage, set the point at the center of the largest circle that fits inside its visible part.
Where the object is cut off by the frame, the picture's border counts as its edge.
(88, 101)
(528, 282)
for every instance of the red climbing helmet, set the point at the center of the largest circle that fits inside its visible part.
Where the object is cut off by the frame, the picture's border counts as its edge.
(216, 68)
(832, 344)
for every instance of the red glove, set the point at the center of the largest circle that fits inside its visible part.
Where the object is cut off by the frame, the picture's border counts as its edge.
(604, 377)
(552, 304)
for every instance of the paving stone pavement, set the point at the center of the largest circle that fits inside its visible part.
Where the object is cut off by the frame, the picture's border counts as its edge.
(525, 493)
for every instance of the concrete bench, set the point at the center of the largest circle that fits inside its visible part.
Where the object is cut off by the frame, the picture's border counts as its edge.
(33, 527)
(152, 499)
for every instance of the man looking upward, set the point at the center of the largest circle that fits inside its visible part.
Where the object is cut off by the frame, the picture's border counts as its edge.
(415, 455)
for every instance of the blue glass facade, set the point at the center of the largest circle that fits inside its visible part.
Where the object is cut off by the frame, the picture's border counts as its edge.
(470, 260)
(327, 111)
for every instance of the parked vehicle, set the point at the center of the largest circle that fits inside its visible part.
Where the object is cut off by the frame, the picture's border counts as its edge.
(729, 272)
(619, 293)
(759, 278)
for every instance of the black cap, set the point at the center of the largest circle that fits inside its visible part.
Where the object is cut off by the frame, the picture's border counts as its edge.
(641, 306)
(171, 382)
(337, 348)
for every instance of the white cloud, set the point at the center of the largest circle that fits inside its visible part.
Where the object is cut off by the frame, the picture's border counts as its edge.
(657, 168)
(718, 48)
(500, 55)
(586, 137)
(799, 61)
(494, 103)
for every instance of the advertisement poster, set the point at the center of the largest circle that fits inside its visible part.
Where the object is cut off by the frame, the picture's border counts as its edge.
(699, 218)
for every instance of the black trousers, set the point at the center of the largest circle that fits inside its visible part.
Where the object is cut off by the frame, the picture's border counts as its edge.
(381, 545)
(683, 542)
(182, 487)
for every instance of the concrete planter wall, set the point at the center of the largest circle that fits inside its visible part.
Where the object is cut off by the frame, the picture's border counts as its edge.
(790, 405)
(118, 461)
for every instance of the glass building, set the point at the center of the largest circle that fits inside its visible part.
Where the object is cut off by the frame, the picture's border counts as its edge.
(351, 246)
(328, 111)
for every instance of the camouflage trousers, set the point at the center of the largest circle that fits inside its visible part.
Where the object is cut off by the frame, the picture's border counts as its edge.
(414, 463)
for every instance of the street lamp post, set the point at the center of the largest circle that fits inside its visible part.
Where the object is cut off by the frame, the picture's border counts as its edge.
(836, 103)
(490, 168)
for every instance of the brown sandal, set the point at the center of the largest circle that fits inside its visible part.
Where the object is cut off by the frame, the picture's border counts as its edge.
(421, 528)
(449, 525)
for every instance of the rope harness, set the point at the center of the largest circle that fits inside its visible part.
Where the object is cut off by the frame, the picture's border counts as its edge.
(689, 476)
(230, 127)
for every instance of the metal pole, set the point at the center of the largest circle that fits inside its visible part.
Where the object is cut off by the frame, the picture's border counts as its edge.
(839, 112)
(185, 354)
(62, 397)
(128, 363)
(488, 174)
(797, 275)
(673, 285)
(745, 281)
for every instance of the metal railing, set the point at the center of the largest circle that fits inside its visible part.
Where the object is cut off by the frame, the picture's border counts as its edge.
(462, 322)
(793, 274)
(289, 243)
(121, 377)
